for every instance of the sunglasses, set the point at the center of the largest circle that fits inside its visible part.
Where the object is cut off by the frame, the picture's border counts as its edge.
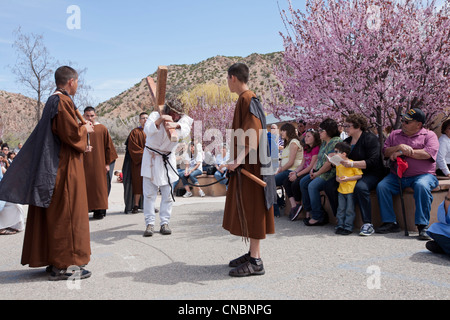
(310, 130)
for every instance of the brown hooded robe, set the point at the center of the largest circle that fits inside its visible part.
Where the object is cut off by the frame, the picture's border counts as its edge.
(259, 220)
(59, 235)
(103, 153)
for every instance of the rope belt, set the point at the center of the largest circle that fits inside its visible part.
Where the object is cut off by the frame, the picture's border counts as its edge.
(165, 157)
(240, 206)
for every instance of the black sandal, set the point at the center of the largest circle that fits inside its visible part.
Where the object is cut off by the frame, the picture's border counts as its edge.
(238, 261)
(7, 231)
(63, 274)
(248, 269)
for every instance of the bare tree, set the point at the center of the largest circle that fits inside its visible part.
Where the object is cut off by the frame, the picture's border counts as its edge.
(34, 67)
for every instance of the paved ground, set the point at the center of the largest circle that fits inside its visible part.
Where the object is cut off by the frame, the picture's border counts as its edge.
(191, 264)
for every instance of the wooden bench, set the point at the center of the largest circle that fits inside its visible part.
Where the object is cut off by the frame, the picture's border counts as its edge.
(408, 195)
(216, 190)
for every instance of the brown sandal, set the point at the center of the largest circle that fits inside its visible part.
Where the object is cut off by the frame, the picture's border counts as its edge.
(248, 269)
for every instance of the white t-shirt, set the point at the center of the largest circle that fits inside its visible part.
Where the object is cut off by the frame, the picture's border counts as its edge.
(443, 156)
(193, 160)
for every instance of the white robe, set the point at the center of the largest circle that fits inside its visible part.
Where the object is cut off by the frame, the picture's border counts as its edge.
(11, 216)
(152, 163)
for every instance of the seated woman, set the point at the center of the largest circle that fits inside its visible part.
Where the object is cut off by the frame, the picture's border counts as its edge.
(366, 155)
(193, 168)
(292, 154)
(443, 156)
(312, 184)
(291, 157)
(440, 231)
(311, 145)
(221, 161)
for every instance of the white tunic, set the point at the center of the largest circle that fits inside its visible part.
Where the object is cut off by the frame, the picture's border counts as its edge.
(443, 156)
(152, 163)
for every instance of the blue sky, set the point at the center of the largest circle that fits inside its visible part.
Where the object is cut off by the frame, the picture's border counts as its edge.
(121, 42)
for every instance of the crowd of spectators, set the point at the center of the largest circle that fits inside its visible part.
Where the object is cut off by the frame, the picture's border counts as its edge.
(343, 160)
(11, 215)
(346, 161)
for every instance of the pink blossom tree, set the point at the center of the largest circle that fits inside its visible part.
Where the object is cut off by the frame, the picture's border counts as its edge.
(377, 58)
(211, 122)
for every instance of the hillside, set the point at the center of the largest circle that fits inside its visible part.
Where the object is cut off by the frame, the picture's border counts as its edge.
(17, 116)
(17, 113)
(183, 77)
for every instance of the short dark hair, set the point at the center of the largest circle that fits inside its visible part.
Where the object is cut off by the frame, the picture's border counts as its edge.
(358, 121)
(343, 147)
(142, 114)
(240, 71)
(445, 126)
(331, 127)
(64, 74)
(89, 108)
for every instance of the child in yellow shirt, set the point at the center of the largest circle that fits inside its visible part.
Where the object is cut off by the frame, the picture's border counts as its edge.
(347, 178)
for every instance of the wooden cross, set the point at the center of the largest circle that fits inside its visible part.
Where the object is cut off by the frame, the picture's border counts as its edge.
(158, 96)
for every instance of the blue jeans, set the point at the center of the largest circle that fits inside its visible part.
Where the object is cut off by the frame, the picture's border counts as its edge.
(442, 241)
(422, 186)
(192, 176)
(346, 211)
(280, 177)
(176, 182)
(218, 175)
(311, 196)
(361, 195)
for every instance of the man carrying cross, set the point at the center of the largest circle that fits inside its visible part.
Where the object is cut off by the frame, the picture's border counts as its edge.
(159, 162)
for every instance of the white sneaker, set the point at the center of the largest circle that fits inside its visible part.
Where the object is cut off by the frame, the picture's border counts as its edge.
(201, 193)
(366, 229)
(187, 194)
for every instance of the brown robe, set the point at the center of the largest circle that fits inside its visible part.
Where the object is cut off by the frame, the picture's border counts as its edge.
(260, 221)
(136, 145)
(59, 235)
(103, 153)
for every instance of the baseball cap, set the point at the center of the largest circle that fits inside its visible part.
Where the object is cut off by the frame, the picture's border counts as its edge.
(415, 114)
